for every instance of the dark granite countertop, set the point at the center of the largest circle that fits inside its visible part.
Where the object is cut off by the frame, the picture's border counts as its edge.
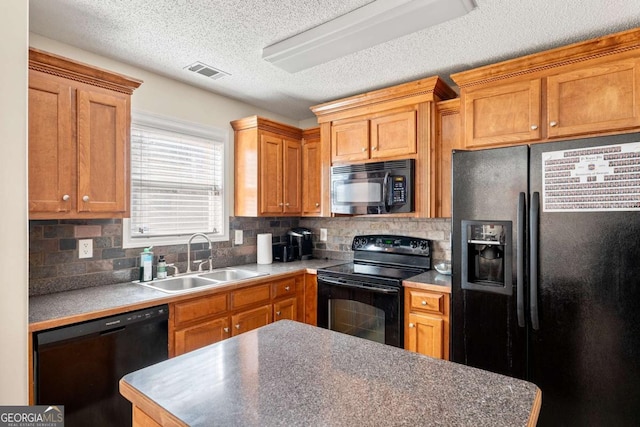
(291, 374)
(67, 307)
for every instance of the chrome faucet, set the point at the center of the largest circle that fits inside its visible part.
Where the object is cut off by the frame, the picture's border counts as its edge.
(189, 250)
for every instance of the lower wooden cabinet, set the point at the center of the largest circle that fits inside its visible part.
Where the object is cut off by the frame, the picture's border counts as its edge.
(248, 320)
(427, 322)
(204, 320)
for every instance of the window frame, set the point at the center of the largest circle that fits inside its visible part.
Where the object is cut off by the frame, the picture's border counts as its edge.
(173, 124)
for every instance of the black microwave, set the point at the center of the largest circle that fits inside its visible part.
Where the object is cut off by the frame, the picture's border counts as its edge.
(373, 188)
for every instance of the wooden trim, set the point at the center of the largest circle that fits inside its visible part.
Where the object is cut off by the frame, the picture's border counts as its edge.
(267, 125)
(448, 107)
(429, 89)
(80, 72)
(535, 409)
(311, 133)
(565, 55)
(156, 412)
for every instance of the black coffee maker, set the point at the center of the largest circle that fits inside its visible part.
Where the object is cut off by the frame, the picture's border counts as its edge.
(300, 239)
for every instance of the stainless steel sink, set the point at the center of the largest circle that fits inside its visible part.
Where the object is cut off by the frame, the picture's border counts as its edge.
(231, 274)
(191, 282)
(181, 284)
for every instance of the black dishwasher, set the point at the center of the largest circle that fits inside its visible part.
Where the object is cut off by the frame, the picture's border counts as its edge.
(79, 366)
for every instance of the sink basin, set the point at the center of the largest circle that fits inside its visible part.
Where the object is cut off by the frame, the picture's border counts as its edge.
(180, 284)
(231, 274)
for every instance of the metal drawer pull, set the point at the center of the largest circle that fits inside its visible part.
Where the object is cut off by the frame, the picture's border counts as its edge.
(411, 325)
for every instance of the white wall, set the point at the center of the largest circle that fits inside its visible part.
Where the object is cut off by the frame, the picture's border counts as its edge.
(14, 27)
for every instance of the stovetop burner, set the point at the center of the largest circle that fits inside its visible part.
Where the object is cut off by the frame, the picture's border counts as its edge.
(384, 257)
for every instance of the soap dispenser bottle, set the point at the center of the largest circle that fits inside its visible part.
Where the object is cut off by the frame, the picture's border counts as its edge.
(146, 265)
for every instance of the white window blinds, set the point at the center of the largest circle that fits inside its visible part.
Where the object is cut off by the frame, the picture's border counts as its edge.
(177, 180)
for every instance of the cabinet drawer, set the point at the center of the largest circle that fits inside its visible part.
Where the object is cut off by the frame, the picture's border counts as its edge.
(187, 311)
(284, 287)
(427, 301)
(251, 295)
(251, 319)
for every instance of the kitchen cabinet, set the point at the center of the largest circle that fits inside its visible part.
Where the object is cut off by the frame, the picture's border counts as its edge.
(78, 139)
(588, 88)
(448, 138)
(268, 168)
(204, 320)
(383, 135)
(392, 123)
(427, 322)
(312, 172)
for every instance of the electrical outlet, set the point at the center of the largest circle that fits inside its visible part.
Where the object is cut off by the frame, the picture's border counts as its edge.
(323, 234)
(238, 237)
(85, 248)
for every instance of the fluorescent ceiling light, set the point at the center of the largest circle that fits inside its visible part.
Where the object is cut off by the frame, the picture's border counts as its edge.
(372, 24)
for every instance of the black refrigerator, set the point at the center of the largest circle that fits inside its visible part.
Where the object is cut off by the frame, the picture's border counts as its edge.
(546, 273)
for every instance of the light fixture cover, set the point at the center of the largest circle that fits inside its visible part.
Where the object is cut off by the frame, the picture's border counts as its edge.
(367, 26)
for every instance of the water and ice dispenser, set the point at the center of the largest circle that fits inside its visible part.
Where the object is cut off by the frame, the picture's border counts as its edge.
(486, 256)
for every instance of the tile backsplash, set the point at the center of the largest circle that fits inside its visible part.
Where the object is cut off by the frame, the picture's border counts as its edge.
(54, 265)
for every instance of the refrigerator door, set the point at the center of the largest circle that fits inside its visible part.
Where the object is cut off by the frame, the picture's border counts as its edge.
(585, 354)
(487, 189)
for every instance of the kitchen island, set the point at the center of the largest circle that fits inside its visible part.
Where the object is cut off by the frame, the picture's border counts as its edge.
(289, 373)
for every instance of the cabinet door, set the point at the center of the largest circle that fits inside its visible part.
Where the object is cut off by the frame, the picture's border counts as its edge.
(102, 152)
(270, 174)
(251, 319)
(200, 335)
(292, 175)
(502, 115)
(449, 136)
(312, 178)
(52, 163)
(393, 135)
(350, 141)
(596, 99)
(285, 309)
(425, 335)
(311, 299)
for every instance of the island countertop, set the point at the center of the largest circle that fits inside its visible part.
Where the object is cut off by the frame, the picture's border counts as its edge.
(289, 373)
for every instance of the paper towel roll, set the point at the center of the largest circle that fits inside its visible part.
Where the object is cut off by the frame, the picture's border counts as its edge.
(265, 254)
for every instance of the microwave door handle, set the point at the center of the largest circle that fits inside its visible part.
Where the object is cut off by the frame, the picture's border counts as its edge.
(385, 190)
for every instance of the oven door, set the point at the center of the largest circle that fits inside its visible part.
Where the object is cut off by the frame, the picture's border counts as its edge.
(354, 308)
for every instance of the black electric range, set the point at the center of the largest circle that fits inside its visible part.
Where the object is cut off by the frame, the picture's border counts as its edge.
(364, 297)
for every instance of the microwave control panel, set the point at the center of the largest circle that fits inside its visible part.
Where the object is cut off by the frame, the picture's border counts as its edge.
(398, 190)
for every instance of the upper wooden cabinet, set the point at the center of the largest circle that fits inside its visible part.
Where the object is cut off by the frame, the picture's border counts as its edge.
(448, 138)
(588, 88)
(268, 168)
(392, 123)
(312, 173)
(390, 134)
(78, 139)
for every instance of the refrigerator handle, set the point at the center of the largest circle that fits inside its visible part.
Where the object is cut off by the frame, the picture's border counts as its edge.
(520, 259)
(534, 216)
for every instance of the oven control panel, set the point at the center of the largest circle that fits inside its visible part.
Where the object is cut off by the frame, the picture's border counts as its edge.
(392, 244)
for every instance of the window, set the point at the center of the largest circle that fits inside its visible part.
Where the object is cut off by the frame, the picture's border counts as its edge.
(177, 182)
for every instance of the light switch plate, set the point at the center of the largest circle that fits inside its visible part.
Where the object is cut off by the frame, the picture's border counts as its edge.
(238, 237)
(323, 234)
(85, 248)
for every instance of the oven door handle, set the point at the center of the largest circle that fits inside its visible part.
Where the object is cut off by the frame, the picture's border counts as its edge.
(353, 285)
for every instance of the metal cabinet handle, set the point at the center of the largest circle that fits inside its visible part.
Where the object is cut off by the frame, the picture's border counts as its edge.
(286, 288)
(226, 330)
(287, 204)
(317, 205)
(85, 198)
(374, 148)
(411, 325)
(364, 149)
(278, 313)
(238, 326)
(66, 197)
(280, 204)
(553, 124)
(534, 127)
(424, 303)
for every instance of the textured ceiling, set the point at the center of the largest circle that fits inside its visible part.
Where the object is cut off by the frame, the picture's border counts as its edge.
(164, 36)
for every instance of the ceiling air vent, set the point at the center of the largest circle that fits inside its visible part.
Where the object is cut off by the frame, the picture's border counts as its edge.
(206, 70)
